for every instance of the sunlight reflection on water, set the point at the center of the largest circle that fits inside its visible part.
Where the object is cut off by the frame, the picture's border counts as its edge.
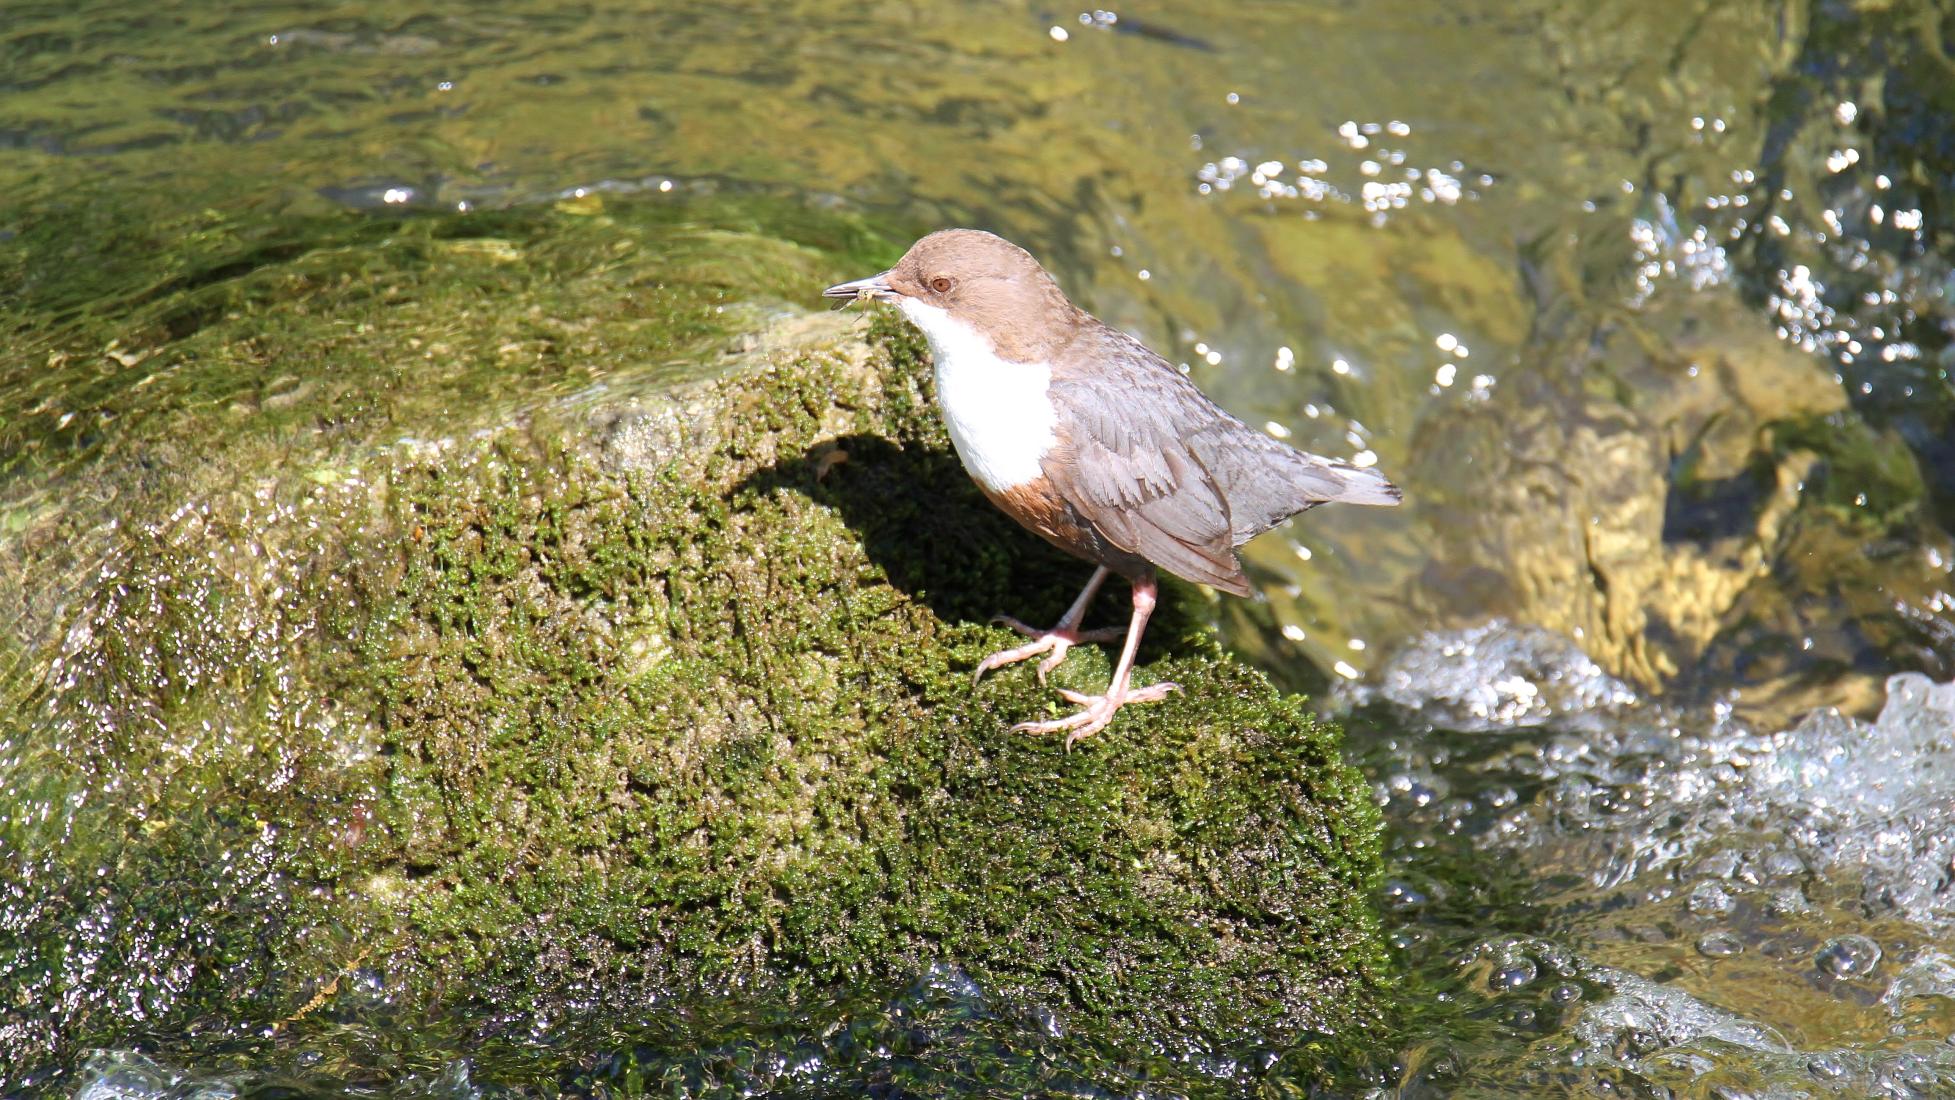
(1647, 313)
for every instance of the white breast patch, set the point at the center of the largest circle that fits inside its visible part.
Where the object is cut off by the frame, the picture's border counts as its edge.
(999, 417)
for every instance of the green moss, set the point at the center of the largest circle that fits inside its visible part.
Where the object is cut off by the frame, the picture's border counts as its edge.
(633, 706)
(1865, 480)
(720, 714)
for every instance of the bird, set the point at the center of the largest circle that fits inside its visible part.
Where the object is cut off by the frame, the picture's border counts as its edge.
(1092, 441)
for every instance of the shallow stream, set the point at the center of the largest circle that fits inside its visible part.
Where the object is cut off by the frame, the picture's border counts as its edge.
(1645, 305)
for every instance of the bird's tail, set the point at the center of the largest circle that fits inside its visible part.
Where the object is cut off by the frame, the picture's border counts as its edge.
(1266, 482)
(1284, 482)
(1330, 480)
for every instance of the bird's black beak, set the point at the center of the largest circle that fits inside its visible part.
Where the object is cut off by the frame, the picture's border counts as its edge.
(875, 288)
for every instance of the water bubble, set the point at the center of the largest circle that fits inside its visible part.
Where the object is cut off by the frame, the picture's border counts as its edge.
(1710, 900)
(1400, 894)
(1417, 789)
(1404, 939)
(1790, 901)
(1719, 945)
(1515, 974)
(1826, 1067)
(1849, 956)
(1783, 864)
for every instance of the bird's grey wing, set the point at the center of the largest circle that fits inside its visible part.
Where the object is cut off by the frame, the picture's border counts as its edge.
(1124, 463)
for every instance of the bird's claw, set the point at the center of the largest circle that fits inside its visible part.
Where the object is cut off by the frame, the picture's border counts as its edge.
(1057, 642)
(1023, 628)
(1099, 711)
(1104, 634)
(1040, 644)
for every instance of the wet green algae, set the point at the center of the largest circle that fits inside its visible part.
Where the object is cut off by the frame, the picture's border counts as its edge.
(656, 701)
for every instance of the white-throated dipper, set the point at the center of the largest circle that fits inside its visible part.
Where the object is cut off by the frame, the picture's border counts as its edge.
(1086, 437)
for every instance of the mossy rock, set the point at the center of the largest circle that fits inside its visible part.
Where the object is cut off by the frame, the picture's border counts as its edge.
(654, 703)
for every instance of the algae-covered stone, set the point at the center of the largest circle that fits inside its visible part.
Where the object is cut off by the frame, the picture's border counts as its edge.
(646, 702)
(720, 713)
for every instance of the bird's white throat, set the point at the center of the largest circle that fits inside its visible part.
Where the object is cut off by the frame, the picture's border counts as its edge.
(998, 412)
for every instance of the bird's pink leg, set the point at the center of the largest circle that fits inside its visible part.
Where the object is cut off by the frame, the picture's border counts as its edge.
(1057, 640)
(1100, 709)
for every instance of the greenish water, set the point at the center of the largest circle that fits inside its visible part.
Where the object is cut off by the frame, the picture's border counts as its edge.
(1645, 305)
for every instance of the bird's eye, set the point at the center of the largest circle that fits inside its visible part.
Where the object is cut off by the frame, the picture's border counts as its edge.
(940, 284)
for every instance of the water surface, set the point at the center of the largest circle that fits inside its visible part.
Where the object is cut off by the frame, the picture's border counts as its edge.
(1645, 305)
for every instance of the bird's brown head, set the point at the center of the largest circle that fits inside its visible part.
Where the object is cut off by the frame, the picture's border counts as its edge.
(967, 279)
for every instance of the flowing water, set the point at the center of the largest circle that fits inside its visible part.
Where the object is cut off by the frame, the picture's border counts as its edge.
(1645, 305)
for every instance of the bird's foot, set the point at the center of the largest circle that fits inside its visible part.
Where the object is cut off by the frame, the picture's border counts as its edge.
(1055, 641)
(1099, 711)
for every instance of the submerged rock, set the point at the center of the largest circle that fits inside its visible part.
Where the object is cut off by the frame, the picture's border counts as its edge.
(634, 701)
